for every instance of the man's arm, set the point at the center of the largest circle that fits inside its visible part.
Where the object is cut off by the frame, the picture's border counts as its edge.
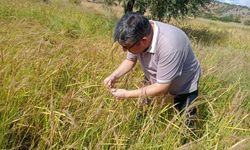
(150, 90)
(124, 68)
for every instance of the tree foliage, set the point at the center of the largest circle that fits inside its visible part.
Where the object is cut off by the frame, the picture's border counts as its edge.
(165, 9)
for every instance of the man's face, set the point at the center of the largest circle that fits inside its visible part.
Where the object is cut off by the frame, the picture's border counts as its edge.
(141, 45)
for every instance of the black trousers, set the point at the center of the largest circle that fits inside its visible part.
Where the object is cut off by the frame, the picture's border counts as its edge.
(184, 100)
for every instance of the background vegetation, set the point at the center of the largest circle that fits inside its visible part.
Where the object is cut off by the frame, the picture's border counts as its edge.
(230, 18)
(227, 12)
(54, 57)
(163, 9)
(247, 22)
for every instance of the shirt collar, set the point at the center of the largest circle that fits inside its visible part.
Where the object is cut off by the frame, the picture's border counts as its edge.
(152, 47)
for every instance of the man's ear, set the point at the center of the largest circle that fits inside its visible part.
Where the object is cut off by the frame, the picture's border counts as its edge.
(144, 39)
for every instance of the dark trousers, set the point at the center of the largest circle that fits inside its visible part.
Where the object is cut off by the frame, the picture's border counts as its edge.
(182, 102)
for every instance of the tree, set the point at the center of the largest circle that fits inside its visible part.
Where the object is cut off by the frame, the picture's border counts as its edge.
(165, 9)
(128, 5)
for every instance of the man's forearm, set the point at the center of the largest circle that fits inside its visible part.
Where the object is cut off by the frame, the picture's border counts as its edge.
(151, 90)
(124, 67)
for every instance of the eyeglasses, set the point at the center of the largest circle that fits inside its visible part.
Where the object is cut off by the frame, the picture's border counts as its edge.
(125, 48)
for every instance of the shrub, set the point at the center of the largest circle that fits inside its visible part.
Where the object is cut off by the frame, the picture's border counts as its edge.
(230, 18)
(77, 2)
(247, 22)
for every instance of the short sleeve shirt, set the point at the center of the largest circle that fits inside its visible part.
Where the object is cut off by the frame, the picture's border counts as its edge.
(170, 59)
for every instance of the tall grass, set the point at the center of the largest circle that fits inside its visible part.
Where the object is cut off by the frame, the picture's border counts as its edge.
(54, 58)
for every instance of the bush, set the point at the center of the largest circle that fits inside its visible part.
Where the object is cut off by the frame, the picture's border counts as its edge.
(77, 2)
(247, 22)
(230, 18)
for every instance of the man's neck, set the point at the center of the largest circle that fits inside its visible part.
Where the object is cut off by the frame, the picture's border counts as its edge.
(151, 35)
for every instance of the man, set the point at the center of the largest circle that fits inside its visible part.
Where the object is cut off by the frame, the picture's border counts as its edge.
(166, 58)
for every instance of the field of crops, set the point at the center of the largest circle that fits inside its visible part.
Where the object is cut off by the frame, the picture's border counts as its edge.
(53, 60)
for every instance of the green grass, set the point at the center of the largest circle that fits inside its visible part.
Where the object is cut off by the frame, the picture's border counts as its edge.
(54, 58)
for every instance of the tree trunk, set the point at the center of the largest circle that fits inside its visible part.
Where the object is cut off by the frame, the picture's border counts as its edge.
(129, 6)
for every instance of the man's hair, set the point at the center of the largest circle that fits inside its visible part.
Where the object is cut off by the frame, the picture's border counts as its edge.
(131, 28)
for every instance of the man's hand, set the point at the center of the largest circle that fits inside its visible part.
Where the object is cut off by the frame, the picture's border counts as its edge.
(110, 81)
(119, 93)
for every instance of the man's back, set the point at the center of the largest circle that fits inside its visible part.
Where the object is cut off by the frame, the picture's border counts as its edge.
(170, 59)
(180, 62)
